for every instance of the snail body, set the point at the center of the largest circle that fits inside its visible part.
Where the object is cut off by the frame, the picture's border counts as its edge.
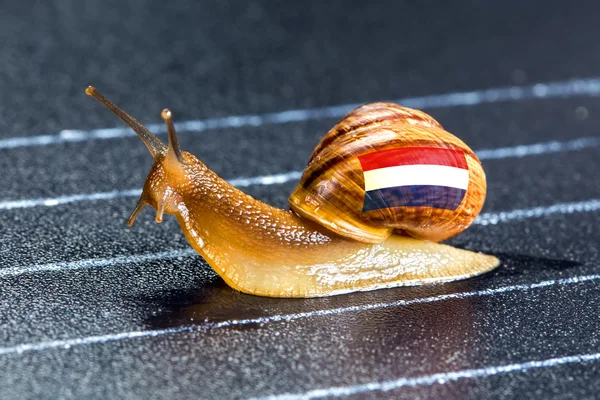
(263, 250)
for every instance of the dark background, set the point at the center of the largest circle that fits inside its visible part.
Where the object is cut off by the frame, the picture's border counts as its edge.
(217, 59)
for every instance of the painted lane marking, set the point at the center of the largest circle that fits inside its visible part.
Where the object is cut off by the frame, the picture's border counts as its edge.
(439, 378)
(68, 343)
(483, 219)
(547, 90)
(277, 179)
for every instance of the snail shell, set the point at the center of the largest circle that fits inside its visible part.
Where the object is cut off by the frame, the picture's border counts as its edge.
(387, 169)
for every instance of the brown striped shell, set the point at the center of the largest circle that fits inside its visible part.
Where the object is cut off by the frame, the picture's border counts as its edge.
(332, 193)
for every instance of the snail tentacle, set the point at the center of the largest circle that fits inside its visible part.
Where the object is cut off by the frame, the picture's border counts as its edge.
(154, 145)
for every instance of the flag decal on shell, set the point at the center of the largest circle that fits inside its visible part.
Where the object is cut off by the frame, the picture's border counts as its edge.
(414, 177)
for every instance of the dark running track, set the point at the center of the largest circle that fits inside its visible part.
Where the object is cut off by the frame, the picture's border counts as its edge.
(92, 309)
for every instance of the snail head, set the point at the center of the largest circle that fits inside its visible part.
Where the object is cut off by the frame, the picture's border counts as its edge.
(171, 165)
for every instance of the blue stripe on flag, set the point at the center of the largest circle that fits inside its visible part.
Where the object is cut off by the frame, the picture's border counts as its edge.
(414, 196)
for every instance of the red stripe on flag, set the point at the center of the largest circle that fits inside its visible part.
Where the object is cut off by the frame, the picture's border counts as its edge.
(413, 156)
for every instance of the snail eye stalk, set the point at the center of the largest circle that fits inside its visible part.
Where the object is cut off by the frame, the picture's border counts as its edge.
(174, 150)
(156, 147)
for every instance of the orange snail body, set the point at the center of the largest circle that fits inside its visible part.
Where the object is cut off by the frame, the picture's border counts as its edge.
(318, 248)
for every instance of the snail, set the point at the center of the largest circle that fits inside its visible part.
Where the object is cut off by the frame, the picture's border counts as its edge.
(381, 188)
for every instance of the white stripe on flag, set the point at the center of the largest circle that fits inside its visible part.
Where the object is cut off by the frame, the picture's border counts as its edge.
(414, 175)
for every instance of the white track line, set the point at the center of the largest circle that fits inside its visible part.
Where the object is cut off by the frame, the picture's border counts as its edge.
(275, 179)
(538, 212)
(75, 198)
(56, 201)
(483, 219)
(96, 262)
(574, 87)
(428, 380)
(539, 148)
(67, 343)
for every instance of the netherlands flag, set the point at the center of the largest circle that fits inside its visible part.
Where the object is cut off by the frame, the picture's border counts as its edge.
(414, 177)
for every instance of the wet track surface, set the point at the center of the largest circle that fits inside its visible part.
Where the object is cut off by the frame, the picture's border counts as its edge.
(90, 308)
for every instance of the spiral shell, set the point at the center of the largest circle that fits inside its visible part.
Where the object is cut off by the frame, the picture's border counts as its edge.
(378, 172)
